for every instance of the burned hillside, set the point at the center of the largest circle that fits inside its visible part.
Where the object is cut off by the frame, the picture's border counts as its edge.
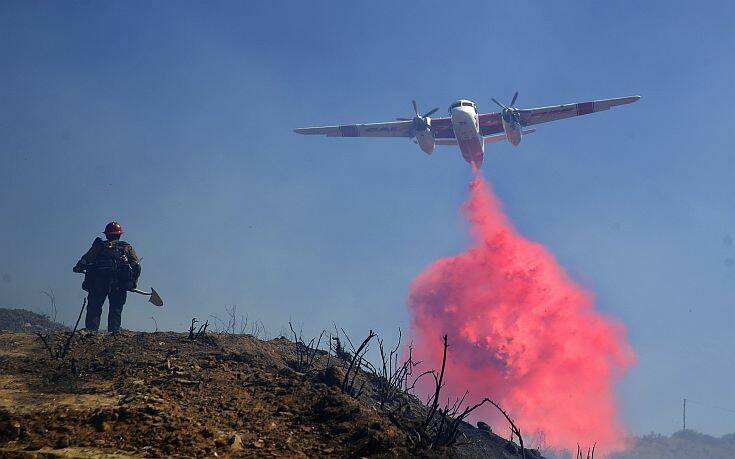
(22, 320)
(196, 394)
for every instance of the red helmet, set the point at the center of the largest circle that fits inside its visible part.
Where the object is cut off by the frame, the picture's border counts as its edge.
(113, 228)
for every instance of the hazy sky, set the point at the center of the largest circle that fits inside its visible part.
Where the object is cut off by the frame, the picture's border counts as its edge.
(175, 118)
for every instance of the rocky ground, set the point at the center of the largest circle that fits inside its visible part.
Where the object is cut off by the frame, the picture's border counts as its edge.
(162, 394)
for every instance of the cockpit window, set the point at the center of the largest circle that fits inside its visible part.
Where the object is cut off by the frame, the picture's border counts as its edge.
(461, 103)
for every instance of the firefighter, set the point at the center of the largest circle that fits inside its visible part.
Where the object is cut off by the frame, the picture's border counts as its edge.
(110, 268)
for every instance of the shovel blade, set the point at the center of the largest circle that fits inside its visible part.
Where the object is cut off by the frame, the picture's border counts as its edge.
(155, 298)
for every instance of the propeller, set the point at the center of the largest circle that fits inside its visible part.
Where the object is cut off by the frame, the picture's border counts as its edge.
(420, 122)
(509, 112)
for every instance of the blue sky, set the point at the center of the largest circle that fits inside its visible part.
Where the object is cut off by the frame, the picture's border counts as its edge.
(176, 118)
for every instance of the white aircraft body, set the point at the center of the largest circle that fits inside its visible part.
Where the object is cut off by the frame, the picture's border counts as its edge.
(467, 128)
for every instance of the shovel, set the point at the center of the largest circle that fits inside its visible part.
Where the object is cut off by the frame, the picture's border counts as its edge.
(155, 298)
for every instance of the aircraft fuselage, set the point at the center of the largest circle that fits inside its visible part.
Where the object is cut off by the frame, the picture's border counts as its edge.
(466, 125)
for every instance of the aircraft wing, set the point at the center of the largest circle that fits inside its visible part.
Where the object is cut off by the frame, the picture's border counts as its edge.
(445, 142)
(485, 140)
(441, 127)
(388, 129)
(491, 123)
(531, 116)
(501, 137)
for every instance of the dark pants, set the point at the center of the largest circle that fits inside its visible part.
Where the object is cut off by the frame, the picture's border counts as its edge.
(96, 298)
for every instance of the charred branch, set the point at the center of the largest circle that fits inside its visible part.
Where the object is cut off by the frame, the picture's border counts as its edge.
(440, 428)
(337, 348)
(433, 401)
(202, 331)
(48, 341)
(391, 380)
(53, 310)
(515, 430)
(191, 328)
(305, 352)
(65, 350)
(590, 452)
(356, 364)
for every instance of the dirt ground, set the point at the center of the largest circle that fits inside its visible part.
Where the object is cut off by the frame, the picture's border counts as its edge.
(162, 394)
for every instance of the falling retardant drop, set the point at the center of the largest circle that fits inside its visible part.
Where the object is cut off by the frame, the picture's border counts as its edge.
(522, 332)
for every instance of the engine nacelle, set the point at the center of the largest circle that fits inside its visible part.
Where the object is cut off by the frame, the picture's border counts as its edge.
(425, 139)
(513, 132)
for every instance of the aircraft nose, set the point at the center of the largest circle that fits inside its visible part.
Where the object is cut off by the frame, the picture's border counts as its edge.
(461, 111)
(462, 115)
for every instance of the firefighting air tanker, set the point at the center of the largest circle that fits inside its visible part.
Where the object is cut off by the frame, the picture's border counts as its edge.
(467, 128)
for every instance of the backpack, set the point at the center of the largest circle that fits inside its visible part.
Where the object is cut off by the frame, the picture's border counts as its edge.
(111, 255)
(111, 261)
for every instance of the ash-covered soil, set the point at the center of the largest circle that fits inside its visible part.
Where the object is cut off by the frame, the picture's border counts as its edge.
(161, 394)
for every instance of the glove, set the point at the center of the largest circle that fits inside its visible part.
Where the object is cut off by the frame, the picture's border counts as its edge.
(80, 267)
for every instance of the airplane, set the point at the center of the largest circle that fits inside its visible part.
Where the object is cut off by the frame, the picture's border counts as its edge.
(466, 128)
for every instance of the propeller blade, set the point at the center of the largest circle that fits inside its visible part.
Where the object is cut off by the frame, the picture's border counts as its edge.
(415, 108)
(499, 104)
(428, 114)
(513, 102)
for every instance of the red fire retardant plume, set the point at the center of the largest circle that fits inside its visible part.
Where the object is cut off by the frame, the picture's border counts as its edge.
(521, 332)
